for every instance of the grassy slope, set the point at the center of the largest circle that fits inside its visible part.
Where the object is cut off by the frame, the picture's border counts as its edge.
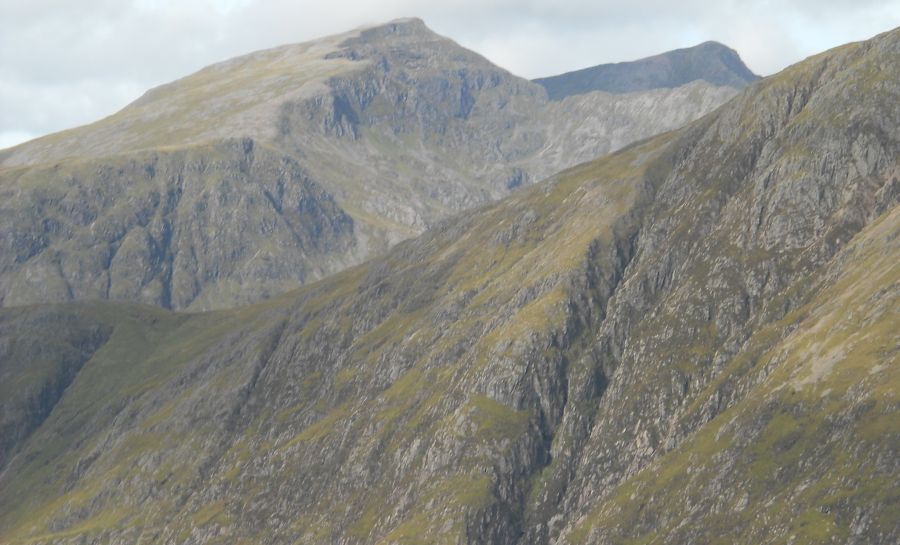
(226, 100)
(145, 348)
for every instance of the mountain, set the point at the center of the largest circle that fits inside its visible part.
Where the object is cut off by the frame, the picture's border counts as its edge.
(691, 340)
(711, 62)
(258, 174)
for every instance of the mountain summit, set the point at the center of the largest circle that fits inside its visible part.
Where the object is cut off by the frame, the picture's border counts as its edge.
(277, 168)
(710, 61)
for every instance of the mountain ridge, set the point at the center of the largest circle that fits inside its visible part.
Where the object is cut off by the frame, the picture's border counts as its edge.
(709, 61)
(398, 126)
(650, 346)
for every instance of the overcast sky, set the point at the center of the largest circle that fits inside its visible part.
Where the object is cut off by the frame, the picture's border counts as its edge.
(68, 62)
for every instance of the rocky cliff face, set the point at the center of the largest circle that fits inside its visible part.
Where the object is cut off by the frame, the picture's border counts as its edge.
(207, 226)
(689, 340)
(710, 61)
(394, 127)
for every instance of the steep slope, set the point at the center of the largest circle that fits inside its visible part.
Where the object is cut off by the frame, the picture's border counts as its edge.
(203, 226)
(648, 347)
(710, 61)
(807, 437)
(398, 126)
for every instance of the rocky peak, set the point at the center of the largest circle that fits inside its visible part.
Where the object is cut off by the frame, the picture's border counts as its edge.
(409, 42)
(709, 61)
(397, 29)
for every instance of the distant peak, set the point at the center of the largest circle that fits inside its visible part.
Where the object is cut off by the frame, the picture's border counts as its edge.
(712, 47)
(406, 21)
(403, 24)
(710, 61)
(711, 44)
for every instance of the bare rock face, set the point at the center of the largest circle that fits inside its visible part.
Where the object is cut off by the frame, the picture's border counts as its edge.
(692, 339)
(395, 127)
(206, 227)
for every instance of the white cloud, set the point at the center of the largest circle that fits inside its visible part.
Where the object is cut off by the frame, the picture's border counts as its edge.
(64, 63)
(50, 106)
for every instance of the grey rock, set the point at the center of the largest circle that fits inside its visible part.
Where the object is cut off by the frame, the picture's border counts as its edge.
(399, 126)
(710, 61)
